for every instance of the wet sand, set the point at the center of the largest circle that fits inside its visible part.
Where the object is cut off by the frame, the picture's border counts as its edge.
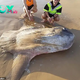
(63, 65)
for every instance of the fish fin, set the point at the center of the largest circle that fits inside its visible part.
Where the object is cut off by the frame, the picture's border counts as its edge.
(19, 65)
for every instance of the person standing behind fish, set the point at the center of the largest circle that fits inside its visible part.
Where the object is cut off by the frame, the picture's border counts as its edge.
(52, 11)
(30, 7)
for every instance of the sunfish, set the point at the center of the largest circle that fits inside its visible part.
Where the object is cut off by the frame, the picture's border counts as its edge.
(28, 42)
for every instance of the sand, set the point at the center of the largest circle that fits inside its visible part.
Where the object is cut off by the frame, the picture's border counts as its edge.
(63, 65)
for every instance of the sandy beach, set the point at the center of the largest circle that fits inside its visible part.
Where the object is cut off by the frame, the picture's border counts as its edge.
(64, 65)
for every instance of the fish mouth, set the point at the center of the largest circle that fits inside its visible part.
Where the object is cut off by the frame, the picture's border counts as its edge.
(70, 36)
(69, 44)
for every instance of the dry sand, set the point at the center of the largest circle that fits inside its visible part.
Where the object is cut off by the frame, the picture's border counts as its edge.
(63, 65)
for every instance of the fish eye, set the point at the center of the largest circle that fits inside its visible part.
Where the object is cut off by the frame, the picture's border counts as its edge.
(64, 29)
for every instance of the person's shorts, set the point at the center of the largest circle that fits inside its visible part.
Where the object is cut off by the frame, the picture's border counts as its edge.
(30, 7)
(50, 15)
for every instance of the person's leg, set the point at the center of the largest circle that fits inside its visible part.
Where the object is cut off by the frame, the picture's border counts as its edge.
(33, 10)
(52, 21)
(44, 17)
(30, 8)
(57, 18)
(31, 15)
(29, 12)
(24, 9)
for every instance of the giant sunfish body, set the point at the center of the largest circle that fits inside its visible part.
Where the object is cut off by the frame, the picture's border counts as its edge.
(26, 43)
